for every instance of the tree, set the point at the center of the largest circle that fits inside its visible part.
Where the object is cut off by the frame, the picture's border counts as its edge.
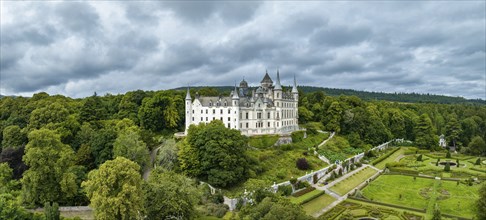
(115, 190)
(448, 154)
(163, 110)
(478, 162)
(424, 133)
(129, 145)
(53, 113)
(92, 109)
(453, 129)
(167, 154)
(333, 117)
(302, 164)
(170, 195)
(477, 146)
(481, 203)
(13, 137)
(49, 161)
(14, 159)
(51, 212)
(214, 153)
(273, 208)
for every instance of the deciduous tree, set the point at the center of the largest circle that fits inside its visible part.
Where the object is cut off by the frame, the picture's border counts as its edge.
(115, 190)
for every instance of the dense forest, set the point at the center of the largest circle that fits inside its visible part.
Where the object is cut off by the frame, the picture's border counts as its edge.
(374, 96)
(56, 149)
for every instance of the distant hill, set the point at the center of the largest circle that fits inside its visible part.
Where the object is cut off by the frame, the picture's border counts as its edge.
(394, 97)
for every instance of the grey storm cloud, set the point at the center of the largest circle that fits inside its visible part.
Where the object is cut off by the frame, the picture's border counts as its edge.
(76, 48)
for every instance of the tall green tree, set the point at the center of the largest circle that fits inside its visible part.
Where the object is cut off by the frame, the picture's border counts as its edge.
(215, 154)
(333, 117)
(453, 130)
(170, 195)
(272, 208)
(13, 137)
(92, 109)
(477, 146)
(424, 133)
(115, 190)
(49, 161)
(129, 145)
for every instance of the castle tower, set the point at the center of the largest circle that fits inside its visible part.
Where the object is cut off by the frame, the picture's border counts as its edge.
(236, 109)
(266, 81)
(188, 110)
(295, 92)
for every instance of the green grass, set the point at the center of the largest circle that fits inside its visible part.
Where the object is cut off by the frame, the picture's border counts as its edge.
(388, 188)
(461, 201)
(353, 181)
(452, 198)
(85, 215)
(264, 141)
(318, 203)
(300, 199)
(366, 204)
(391, 158)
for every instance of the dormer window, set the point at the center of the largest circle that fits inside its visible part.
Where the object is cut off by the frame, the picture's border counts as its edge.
(225, 104)
(210, 103)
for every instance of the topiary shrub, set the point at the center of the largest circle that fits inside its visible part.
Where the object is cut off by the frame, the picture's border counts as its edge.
(478, 161)
(419, 158)
(302, 164)
(457, 162)
(448, 155)
(293, 181)
(447, 167)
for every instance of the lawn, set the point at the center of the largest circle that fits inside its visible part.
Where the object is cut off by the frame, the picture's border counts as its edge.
(353, 181)
(263, 141)
(422, 193)
(461, 199)
(391, 158)
(300, 199)
(388, 188)
(318, 203)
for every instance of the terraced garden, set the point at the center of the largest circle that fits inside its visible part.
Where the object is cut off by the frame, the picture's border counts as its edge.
(353, 181)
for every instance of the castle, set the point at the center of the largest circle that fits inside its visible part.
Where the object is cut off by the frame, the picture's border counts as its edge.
(266, 110)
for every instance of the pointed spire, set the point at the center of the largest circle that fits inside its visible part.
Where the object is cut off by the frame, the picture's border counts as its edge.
(188, 94)
(294, 88)
(278, 86)
(235, 93)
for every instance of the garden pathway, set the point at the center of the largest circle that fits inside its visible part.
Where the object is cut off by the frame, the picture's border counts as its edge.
(329, 138)
(153, 154)
(339, 198)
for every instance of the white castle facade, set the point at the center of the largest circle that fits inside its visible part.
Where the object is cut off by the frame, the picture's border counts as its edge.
(266, 110)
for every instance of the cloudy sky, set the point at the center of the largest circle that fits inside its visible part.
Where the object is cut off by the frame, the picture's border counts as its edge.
(76, 48)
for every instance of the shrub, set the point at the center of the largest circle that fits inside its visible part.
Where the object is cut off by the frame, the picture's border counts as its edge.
(286, 147)
(218, 210)
(297, 136)
(285, 190)
(302, 184)
(419, 158)
(447, 167)
(302, 164)
(457, 162)
(478, 161)
(293, 181)
(448, 155)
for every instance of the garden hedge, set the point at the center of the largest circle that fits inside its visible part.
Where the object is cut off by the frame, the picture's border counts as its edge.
(382, 158)
(390, 205)
(304, 191)
(312, 197)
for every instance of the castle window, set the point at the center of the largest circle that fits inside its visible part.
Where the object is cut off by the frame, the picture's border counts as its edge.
(268, 124)
(201, 118)
(221, 118)
(259, 115)
(229, 119)
(221, 111)
(258, 105)
(229, 111)
(210, 103)
(192, 111)
(247, 125)
(206, 118)
(247, 115)
(225, 103)
(268, 115)
(201, 111)
(229, 125)
(206, 111)
(214, 111)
